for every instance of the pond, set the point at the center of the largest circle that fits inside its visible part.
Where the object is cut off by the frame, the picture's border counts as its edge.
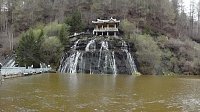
(100, 93)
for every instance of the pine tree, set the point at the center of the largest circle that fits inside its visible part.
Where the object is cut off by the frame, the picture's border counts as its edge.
(28, 51)
(75, 22)
(64, 33)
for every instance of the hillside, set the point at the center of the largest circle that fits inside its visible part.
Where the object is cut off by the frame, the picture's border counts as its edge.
(162, 27)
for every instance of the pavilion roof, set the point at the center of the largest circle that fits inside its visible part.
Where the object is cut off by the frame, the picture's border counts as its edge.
(111, 20)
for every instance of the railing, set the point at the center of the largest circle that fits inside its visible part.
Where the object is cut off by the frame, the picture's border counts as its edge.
(106, 29)
(22, 70)
(79, 34)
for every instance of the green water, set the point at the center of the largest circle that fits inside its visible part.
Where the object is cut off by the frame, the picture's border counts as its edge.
(96, 93)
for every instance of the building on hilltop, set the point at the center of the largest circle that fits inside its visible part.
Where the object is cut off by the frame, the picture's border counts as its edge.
(106, 27)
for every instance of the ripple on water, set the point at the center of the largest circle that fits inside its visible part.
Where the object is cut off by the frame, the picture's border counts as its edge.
(23, 109)
(100, 94)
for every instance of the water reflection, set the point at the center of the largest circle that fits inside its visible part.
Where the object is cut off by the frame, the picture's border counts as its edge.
(79, 92)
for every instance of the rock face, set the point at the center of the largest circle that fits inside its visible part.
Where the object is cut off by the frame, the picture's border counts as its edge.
(98, 55)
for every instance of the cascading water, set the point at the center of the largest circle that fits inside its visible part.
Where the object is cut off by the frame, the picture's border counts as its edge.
(129, 57)
(100, 55)
(90, 44)
(71, 62)
(114, 63)
(74, 62)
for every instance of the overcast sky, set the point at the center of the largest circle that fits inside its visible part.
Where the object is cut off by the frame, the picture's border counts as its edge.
(187, 3)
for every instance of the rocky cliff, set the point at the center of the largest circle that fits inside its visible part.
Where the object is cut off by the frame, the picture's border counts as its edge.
(98, 55)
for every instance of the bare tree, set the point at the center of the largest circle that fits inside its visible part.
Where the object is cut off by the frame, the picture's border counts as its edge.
(192, 16)
(198, 9)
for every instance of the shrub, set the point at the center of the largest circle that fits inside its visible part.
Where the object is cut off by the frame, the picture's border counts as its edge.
(148, 54)
(52, 29)
(28, 51)
(52, 51)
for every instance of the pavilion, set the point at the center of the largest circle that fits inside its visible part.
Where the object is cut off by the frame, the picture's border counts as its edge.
(106, 27)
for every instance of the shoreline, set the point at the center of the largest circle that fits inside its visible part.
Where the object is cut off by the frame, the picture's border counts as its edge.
(9, 73)
(11, 76)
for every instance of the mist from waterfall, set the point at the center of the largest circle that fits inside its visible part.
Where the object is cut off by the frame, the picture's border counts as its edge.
(98, 56)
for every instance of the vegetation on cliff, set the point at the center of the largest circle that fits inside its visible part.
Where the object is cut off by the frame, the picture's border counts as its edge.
(161, 54)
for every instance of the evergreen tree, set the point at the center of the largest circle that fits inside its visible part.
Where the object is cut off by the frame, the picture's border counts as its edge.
(75, 22)
(64, 33)
(28, 51)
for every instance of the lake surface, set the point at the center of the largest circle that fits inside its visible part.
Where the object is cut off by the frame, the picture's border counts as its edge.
(97, 93)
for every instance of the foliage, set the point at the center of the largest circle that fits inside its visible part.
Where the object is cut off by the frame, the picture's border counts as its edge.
(28, 51)
(51, 51)
(173, 33)
(63, 34)
(148, 54)
(42, 45)
(52, 29)
(128, 27)
(161, 55)
(75, 22)
(187, 53)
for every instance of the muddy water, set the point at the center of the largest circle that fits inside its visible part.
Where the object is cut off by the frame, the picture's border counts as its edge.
(96, 93)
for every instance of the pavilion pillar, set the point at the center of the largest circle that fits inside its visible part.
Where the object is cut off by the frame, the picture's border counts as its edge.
(115, 34)
(107, 33)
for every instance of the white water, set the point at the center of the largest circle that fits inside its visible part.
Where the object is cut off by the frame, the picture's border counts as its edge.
(77, 61)
(131, 61)
(74, 62)
(91, 44)
(129, 57)
(71, 62)
(114, 63)
(104, 47)
(75, 45)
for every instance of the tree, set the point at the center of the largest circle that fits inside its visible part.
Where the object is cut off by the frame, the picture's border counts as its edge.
(63, 35)
(52, 51)
(128, 27)
(75, 22)
(191, 17)
(28, 51)
(148, 54)
(44, 44)
(198, 9)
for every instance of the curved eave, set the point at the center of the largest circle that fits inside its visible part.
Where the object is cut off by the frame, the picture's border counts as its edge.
(101, 22)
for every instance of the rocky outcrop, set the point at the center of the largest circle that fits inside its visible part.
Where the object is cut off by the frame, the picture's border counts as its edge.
(98, 55)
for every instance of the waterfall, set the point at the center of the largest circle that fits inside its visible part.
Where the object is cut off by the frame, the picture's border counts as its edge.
(90, 44)
(98, 56)
(104, 47)
(75, 45)
(74, 62)
(129, 57)
(114, 63)
(70, 63)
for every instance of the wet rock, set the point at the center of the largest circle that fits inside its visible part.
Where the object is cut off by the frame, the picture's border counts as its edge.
(98, 55)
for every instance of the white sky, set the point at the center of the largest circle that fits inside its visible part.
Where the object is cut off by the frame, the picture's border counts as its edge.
(187, 3)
